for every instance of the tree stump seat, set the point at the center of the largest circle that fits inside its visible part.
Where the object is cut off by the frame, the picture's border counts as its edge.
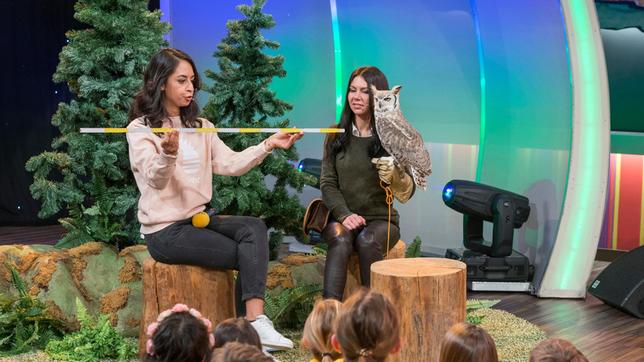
(430, 296)
(354, 281)
(210, 291)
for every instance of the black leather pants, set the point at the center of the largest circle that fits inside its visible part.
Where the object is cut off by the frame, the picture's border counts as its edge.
(369, 242)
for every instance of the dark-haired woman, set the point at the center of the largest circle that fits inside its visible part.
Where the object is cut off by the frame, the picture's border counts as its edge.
(352, 169)
(174, 176)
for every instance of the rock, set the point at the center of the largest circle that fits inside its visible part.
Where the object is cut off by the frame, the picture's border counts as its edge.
(104, 281)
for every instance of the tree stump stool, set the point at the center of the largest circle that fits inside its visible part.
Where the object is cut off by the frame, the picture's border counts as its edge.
(210, 291)
(354, 282)
(430, 295)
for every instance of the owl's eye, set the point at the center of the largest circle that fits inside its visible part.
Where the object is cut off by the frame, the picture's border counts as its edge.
(388, 98)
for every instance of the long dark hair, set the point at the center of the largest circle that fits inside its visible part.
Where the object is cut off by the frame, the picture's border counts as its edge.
(149, 101)
(180, 337)
(336, 142)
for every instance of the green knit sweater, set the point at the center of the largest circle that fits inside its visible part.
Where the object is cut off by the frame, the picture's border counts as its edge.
(350, 184)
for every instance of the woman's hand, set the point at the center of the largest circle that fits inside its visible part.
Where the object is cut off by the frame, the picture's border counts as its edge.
(353, 221)
(170, 143)
(282, 140)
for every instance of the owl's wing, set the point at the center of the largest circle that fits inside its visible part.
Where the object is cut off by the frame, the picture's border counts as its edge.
(405, 129)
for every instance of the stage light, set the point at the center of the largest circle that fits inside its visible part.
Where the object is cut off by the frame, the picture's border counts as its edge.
(478, 202)
(487, 261)
(313, 167)
(448, 193)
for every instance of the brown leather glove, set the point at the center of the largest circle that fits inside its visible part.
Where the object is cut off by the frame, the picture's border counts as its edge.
(401, 184)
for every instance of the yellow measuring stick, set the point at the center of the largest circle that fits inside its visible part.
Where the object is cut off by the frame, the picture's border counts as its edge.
(210, 130)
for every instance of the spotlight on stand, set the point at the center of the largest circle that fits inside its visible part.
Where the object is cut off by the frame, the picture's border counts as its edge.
(313, 167)
(491, 265)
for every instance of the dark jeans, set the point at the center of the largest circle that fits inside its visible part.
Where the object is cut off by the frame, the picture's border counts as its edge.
(369, 242)
(228, 242)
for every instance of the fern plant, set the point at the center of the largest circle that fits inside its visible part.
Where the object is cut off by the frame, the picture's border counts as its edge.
(96, 340)
(25, 323)
(474, 304)
(291, 306)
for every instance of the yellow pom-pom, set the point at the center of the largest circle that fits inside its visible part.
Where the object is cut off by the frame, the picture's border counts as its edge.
(200, 220)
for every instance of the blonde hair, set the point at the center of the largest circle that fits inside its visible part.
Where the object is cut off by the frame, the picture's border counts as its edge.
(319, 327)
(556, 350)
(368, 327)
(466, 342)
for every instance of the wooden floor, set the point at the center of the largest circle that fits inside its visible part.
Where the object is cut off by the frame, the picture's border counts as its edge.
(31, 234)
(601, 332)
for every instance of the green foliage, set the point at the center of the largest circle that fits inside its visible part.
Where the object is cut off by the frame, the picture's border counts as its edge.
(413, 249)
(24, 321)
(96, 340)
(240, 97)
(474, 304)
(291, 306)
(89, 176)
(274, 241)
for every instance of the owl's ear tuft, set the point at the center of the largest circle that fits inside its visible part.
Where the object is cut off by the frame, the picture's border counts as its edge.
(396, 89)
(373, 88)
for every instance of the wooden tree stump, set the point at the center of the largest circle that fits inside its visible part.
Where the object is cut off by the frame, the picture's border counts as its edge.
(354, 282)
(210, 291)
(430, 295)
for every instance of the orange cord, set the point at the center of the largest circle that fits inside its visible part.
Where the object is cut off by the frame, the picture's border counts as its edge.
(389, 199)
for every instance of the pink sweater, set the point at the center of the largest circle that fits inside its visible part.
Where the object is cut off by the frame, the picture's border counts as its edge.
(174, 188)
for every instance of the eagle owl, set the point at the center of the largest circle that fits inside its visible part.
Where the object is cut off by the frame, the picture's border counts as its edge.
(398, 137)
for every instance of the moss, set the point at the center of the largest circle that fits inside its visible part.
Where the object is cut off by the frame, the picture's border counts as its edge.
(131, 270)
(92, 248)
(298, 259)
(279, 274)
(115, 300)
(133, 249)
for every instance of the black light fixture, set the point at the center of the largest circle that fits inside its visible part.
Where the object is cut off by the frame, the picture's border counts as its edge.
(313, 167)
(489, 260)
(478, 202)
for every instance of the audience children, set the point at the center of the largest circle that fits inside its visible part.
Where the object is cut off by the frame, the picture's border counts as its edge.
(236, 330)
(180, 334)
(239, 352)
(319, 328)
(368, 328)
(465, 342)
(556, 350)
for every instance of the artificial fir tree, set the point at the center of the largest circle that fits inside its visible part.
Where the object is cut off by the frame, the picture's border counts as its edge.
(89, 175)
(241, 97)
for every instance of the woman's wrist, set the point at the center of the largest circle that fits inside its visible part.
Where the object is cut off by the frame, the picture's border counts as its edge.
(268, 145)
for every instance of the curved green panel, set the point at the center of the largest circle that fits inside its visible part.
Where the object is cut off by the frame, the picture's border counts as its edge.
(527, 119)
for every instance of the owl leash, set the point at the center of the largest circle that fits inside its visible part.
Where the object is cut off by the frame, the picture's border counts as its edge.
(389, 199)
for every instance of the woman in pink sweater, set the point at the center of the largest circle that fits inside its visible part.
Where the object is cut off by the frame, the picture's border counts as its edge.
(174, 176)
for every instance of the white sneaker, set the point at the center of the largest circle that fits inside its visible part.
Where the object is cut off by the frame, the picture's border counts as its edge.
(270, 338)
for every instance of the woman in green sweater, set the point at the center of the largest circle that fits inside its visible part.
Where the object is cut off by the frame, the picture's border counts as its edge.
(351, 188)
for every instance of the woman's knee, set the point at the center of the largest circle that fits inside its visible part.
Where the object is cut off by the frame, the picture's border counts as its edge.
(254, 229)
(375, 236)
(337, 236)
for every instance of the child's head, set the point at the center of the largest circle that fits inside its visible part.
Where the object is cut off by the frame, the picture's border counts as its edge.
(466, 342)
(368, 328)
(179, 334)
(239, 352)
(556, 350)
(319, 327)
(236, 330)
